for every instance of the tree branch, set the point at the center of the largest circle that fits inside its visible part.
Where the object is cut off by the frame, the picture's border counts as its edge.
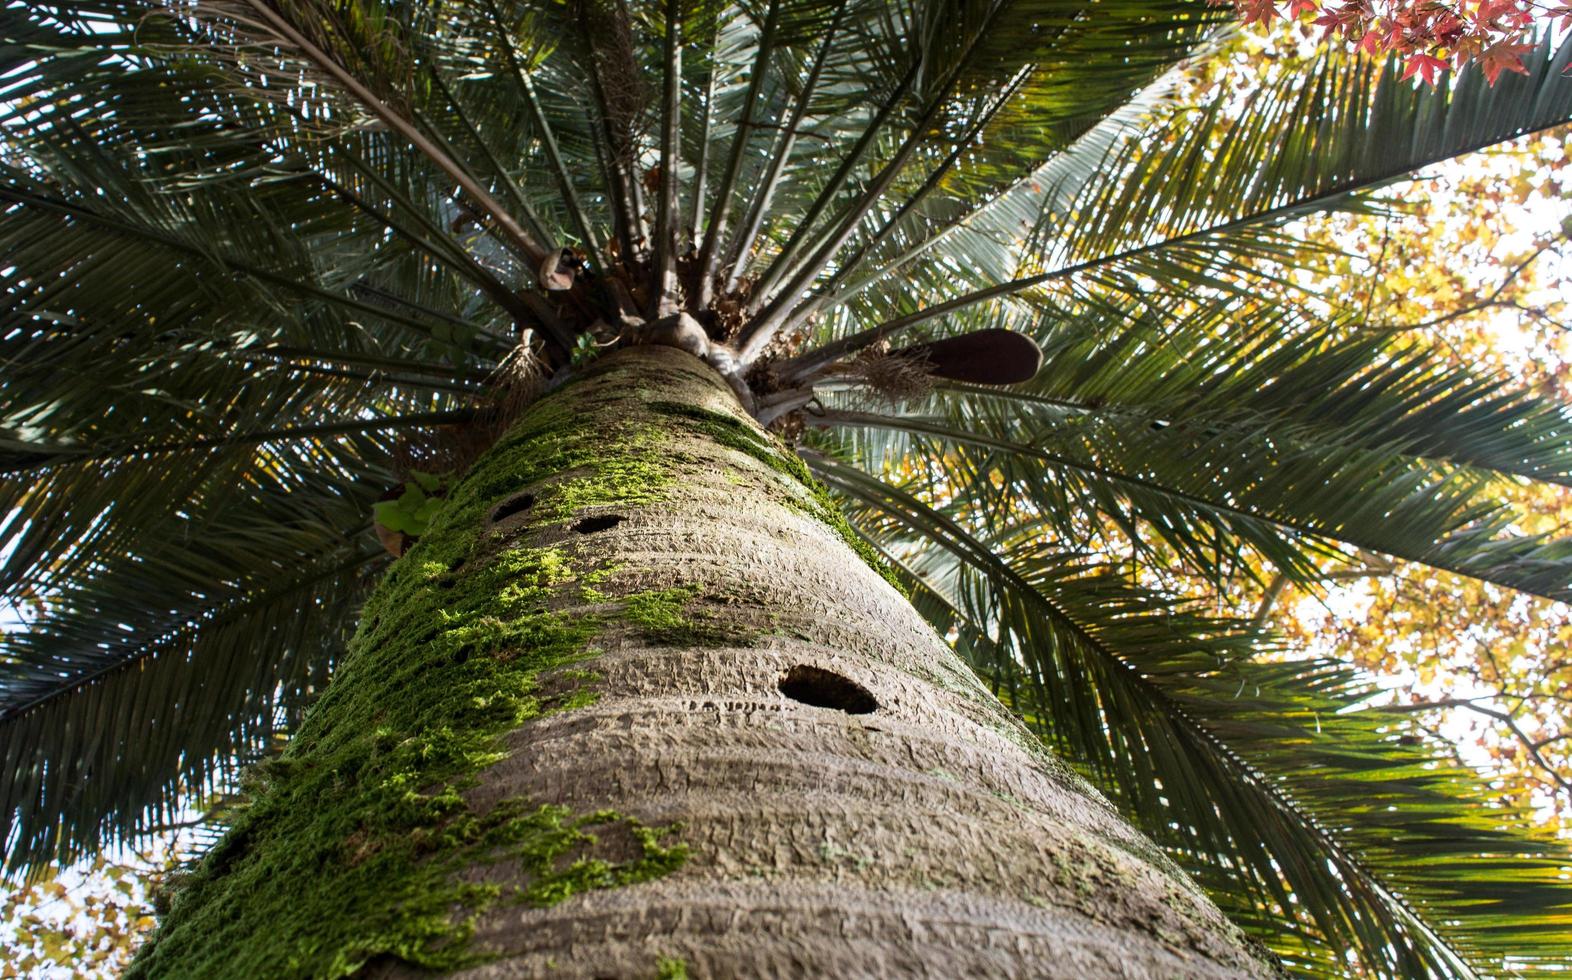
(1507, 720)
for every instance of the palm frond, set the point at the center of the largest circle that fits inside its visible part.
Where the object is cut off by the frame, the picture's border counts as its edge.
(358, 49)
(158, 674)
(986, 59)
(1275, 437)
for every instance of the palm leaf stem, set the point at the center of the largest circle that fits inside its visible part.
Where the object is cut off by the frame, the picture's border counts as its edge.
(515, 235)
(739, 251)
(377, 377)
(710, 252)
(701, 165)
(375, 362)
(1118, 121)
(913, 513)
(515, 192)
(762, 329)
(663, 292)
(224, 608)
(387, 296)
(621, 185)
(62, 206)
(548, 140)
(526, 307)
(427, 237)
(631, 67)
(785, 259)
(433, 241)
(924, 427)
(1113, 409)
(908, 202)
(616, 193)
(31, 456)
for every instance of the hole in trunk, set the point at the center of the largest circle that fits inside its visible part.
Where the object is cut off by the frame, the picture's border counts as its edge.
(511, 506)
(605, 522)
(827, 689)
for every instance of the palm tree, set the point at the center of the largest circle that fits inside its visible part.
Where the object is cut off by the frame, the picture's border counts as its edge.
(516, 286)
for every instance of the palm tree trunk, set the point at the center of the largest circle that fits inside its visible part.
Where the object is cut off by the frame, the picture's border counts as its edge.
(636, 706)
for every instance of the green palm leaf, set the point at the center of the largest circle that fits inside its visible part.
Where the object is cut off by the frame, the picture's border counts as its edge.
(156, 675)
(1273, 437)
(1205, 209)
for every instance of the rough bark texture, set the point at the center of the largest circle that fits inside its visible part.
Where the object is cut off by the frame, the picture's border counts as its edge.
(786, 772)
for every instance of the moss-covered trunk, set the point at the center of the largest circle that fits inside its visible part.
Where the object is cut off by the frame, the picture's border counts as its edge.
(635, 706)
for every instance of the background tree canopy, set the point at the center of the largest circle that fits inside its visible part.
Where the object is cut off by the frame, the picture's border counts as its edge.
(266, 262)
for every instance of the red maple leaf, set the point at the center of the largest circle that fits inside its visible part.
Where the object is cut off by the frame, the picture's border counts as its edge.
(1490, 12)
(1427, 35)
(1257, 11)
(1426, 66)
(1348, 20)
(1503, 57)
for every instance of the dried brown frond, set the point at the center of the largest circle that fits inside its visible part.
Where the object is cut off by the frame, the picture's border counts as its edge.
(515, 384)
(895, 377)
(730, 312)
(425, 451)
(789, 427)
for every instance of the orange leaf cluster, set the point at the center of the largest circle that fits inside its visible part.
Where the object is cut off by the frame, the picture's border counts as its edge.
(1430, 36)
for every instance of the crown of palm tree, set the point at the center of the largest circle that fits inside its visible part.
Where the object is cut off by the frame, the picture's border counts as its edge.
(257, 251)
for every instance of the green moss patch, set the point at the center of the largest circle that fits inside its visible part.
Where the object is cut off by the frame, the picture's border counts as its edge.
(671, 968)
(620, 466)
(352, 845)
(670, 617)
